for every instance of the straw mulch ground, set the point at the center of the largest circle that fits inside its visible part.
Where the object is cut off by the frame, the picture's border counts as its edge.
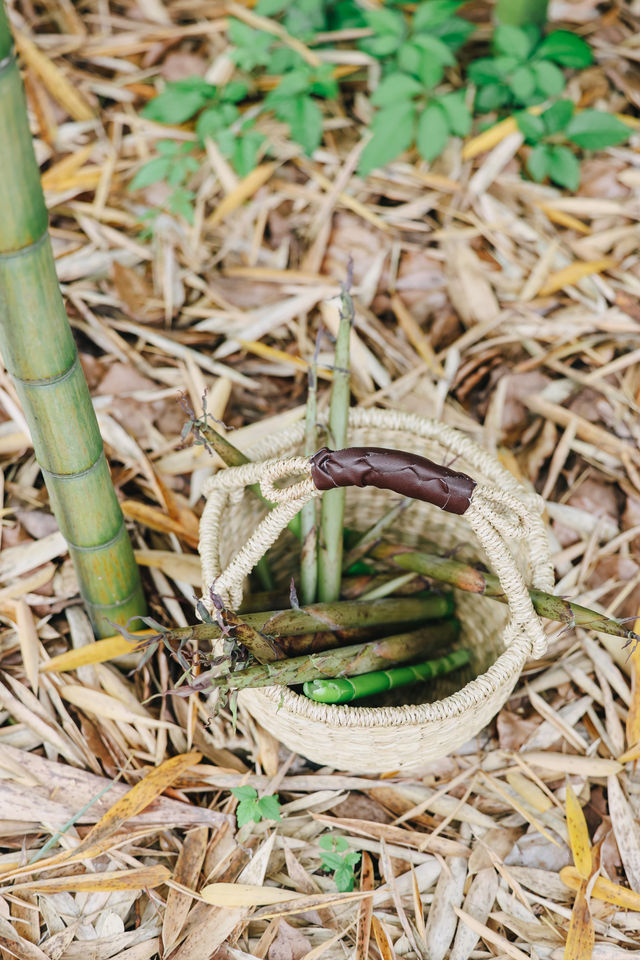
(473, 305)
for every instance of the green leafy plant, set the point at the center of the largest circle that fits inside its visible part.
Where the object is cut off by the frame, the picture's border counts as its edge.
(173, 165)
(421, 45)
(293, 101)
(549, 132)
(336, 856)
(252, 808)
(525, 68)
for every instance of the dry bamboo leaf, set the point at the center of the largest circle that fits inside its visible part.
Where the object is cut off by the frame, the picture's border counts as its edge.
(185, 567)
(54, 80)
(157, 520)
(424, 842)
(316, 902)
(603, 889)
(529, 791)
(581, 935)
(217, 923)
(244, 895)
(572, 764)
(29, 642)
(42, 728)
(245, 189)
(136, 879)
(441, 922)
(365, 913)
(491, 936)
(101, 704)
(382, 940)
(478, 904)
(66, 167)
(626, 830)
(186, 873)
(135, 801)
(25, 556)
(578, 835)
(99, 652)
(570, 275)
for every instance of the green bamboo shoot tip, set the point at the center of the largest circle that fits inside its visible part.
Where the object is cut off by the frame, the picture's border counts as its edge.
(345, 689)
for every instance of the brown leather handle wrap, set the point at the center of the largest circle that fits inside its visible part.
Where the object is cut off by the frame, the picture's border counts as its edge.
(405, 473)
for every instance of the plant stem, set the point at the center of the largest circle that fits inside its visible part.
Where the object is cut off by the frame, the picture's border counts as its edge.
(329, 617)
(41, 356)
(518, 13)
(332, 510)
(232, 457)
(370, 536)
(308, 519)
(344, 689)
(466, 577)
(345, 661)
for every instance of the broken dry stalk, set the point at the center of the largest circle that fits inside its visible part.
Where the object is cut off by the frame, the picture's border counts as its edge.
(344, 661)
(332, 510)
(466, 577)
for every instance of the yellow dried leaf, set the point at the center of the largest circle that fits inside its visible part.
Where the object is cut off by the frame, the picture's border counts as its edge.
(185, 567)
(157, 520)
(382, 940)
(133, 802)
(572, 764)
(581, 936)
(529, 791)
(135, 879)
(489, 138)
(54, 80)
(29, 642)
(578, 835)
(574, 272)
(603, 889)
(244, 895)
(633, 717)
(245, 189)
(98, 652)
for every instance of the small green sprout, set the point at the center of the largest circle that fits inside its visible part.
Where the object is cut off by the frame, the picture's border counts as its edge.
(254, 808)
(336, 856)
(549, 132)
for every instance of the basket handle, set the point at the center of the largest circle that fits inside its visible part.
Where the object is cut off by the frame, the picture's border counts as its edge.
(404, 473)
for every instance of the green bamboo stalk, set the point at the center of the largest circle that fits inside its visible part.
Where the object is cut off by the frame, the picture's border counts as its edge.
(40, 354)
(345, 661)
(327, 617)
(308, 517)
(346, 689)
(466, 577)
(518, 13)
(333, 501)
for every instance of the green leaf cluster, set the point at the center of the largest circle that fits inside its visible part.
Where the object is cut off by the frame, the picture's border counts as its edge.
(252, 808)
(548, 132)
(420, 102)
(526, 68)
(336, 856)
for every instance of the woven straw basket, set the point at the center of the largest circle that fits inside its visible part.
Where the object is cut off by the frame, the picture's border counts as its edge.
(502, 528)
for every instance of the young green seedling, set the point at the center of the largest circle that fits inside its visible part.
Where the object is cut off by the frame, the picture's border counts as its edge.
(549, 132)
(525, 68)
(336, 856)
(252, 808)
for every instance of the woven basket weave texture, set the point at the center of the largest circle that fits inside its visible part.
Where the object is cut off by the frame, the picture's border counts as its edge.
(384, 739)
